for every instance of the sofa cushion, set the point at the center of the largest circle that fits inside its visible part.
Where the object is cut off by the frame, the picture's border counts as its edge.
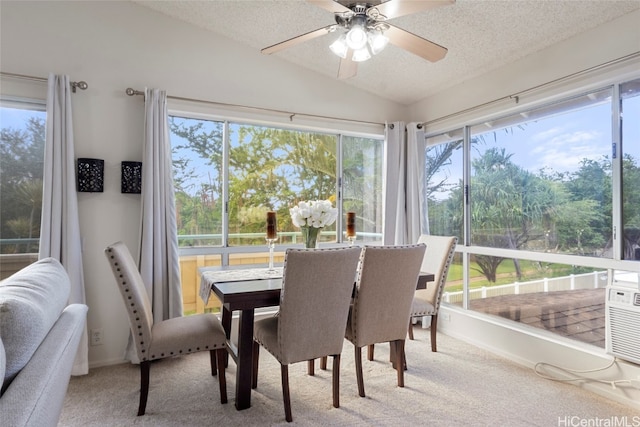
(31, 301)
(3, 361)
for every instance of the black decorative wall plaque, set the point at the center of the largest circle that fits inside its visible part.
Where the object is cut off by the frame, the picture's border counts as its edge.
(90, 175)
(131, 177)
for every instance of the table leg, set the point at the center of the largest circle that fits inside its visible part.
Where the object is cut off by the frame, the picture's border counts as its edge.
(226, 324)
(245, 360)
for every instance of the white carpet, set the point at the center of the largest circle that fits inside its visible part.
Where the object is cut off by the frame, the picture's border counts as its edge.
(460, 385)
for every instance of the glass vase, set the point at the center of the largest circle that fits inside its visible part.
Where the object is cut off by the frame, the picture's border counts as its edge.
(310, 236)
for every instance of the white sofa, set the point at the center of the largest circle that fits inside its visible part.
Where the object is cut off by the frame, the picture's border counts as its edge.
(39, 337)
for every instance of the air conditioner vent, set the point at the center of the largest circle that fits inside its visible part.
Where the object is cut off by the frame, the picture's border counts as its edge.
(636, 299)
(624, 333)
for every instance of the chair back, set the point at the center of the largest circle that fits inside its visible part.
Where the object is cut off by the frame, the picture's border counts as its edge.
(314, 303)
(387, 283)
(437, 260)
(134, 295)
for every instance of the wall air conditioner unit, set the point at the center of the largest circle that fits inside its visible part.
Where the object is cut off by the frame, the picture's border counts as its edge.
(623, 322)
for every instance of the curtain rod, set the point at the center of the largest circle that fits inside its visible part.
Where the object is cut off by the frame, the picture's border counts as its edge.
(132, 92)
(80, 85)
(517, 95)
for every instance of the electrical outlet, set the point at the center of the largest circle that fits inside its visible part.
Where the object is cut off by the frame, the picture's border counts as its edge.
(96, 336)
(446, 317)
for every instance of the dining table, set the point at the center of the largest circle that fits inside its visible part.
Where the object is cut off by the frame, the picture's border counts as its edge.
(246, 289)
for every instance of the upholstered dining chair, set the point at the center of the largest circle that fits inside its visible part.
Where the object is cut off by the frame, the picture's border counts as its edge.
(168, 338)
(316, 292)
(437, 260)
(382, 302)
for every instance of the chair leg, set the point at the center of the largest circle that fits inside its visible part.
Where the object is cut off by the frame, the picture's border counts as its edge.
(336, 381)
(434, 327)
(144, 386)
(370, 351)
(214, 364)
(358, 353)
(323, 363)
(410, 330)
(284, 370)
(404, 360)
(221, 355)
(254, 368)
(311, 367)
(399, 344)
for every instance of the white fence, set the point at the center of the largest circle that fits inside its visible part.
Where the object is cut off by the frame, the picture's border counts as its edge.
(597, 279)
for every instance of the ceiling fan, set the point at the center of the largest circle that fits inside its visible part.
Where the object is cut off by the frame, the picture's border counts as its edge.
(364, 31)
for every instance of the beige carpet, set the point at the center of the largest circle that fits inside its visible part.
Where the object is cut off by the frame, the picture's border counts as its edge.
(460, 385)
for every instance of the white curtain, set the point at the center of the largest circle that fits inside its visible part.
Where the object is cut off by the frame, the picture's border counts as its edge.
(159, 262)
(60, 226)
(416, 207)
(404, 156)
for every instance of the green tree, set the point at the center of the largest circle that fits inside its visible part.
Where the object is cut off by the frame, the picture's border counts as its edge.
(276, 168)
(445, 214)
(21, 169)
(510, 207)
(591, 184)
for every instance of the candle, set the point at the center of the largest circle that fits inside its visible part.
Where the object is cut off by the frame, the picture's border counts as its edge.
(351, 224)
(272, 225)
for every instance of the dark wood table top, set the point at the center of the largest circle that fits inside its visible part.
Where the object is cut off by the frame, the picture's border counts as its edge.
(266, 292)
(249, 294)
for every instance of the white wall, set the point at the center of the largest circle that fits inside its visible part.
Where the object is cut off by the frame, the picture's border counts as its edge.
(114, 45)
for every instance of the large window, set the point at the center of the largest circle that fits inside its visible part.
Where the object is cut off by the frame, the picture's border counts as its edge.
(535, 198)
(541, 181)
(262, 168)
(22, 137)
(228, 174)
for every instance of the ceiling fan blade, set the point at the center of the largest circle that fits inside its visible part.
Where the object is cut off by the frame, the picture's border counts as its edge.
(415, 44)
(330, 5)
(348, 68)
(396, 8)
(298, 39)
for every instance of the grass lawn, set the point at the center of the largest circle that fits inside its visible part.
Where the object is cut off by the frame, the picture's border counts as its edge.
(506, 273)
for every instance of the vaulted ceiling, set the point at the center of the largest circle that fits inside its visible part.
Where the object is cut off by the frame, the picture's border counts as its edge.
(480, 35)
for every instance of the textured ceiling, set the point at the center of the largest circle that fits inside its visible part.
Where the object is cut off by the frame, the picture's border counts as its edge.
(481, 35)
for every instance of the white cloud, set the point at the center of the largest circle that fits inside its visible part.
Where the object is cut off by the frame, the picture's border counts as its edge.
(564, 152)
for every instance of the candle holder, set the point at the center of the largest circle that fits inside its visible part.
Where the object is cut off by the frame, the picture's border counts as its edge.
(271, 243)
(351, 227)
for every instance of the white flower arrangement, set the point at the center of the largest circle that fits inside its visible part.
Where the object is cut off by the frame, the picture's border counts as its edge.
(313, 213)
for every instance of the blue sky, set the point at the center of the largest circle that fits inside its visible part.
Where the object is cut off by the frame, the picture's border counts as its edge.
(560, 142)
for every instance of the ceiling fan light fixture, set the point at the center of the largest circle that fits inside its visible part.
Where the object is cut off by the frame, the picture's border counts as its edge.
(356, 37)
(377, 41)
(361, 55)
(339, 47)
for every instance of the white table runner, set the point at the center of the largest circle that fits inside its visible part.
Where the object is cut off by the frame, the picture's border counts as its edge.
(208, 278)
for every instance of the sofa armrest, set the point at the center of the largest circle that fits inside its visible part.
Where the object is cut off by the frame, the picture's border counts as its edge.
(36, 395)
